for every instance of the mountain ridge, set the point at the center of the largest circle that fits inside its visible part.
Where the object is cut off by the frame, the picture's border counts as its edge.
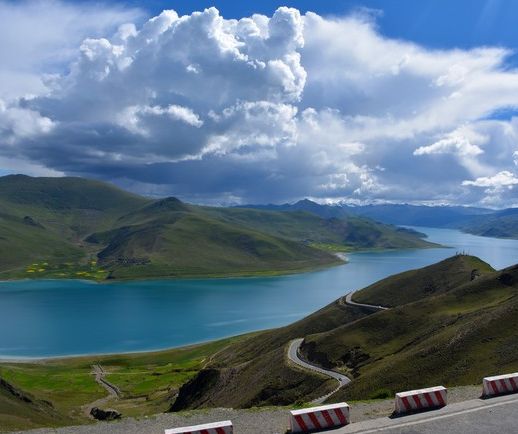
(79, 228)
(477, 221)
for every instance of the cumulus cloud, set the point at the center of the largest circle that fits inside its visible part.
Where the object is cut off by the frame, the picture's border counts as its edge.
(501, 179)
(456, 143)
(268, 109)
(496, 188)
(40, 37)
(17, 123)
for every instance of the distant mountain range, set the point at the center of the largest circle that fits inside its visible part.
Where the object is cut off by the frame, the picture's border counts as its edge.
(80, 228)
(477, 221)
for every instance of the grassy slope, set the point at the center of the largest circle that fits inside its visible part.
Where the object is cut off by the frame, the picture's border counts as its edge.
(355, 232)
(417, 284)
(19, 409)
(70, 207)
(255, 371)
(163, 238)
(27, 244)
(384, 351)
(59, 388)
(169, 238)
(259, 362)
(44, 223)
(503, 224)
(454, 337)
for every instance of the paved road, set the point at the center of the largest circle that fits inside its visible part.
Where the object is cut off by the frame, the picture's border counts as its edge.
(293, 352)
(348, 300)
(293, 355)
(496, 415)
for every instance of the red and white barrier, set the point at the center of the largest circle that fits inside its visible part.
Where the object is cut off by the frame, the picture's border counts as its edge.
(209, 428)
(315, 418)
(413, 400)
(500, 384)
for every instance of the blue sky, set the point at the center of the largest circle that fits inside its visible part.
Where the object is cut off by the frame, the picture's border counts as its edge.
(356, 101)
(433, 23)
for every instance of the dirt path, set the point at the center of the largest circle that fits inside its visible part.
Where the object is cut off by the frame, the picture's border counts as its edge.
(113, 391)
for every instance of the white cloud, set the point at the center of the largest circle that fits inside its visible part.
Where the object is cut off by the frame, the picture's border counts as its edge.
(256, 109)
(461, 142)
(501, 179)
(41, 36)
(18, 123)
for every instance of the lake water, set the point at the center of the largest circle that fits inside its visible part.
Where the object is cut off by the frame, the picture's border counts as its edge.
(55, 318)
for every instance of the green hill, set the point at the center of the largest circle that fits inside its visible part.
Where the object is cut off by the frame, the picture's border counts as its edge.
(502, 224)
(454, 335)
(454, 323)
(79, 228)
(20, 409)
(72, 207)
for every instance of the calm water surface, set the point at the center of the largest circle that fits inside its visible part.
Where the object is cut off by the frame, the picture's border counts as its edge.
(56, 318)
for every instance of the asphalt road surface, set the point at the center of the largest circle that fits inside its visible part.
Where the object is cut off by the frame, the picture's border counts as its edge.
(348, 300)
(293, 355)
(495, 415)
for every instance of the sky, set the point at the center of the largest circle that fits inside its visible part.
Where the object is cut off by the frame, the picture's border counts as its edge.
(228, 102)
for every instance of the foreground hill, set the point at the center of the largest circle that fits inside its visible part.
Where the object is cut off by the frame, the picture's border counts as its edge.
(19, 409)
(74, 227)
(455, 322)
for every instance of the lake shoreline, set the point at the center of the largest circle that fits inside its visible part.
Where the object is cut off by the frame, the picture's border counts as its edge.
(341, 256)
(124, 354)
(49, 320)
(243, 275)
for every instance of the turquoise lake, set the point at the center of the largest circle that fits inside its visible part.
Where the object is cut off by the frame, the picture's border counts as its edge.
(57, 318)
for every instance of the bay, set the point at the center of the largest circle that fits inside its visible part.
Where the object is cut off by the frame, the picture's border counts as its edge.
(43, 318)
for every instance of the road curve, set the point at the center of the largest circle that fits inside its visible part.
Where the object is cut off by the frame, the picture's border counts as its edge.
(347, 299)
(293, 351)
(99, 375)
(113, 391)
(293, 355)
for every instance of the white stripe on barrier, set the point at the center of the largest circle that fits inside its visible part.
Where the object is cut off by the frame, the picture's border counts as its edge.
(432, 397)
(316, 418)
(224, 427)
(500, 384)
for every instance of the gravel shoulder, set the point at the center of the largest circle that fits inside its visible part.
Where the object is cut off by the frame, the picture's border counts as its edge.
(253, 421)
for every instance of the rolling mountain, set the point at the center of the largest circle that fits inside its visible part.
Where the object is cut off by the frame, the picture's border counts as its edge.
(501, 224)
(79, 228)
(476, 221)
(451, 323)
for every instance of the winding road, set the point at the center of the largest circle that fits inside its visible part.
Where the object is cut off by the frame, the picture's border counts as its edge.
(293, 352)
(99, 373)
(293, 355)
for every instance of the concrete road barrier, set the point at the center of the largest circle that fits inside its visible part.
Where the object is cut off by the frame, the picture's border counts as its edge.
(500, 384)
(316, 418)
(224, 427)
(433, 397)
